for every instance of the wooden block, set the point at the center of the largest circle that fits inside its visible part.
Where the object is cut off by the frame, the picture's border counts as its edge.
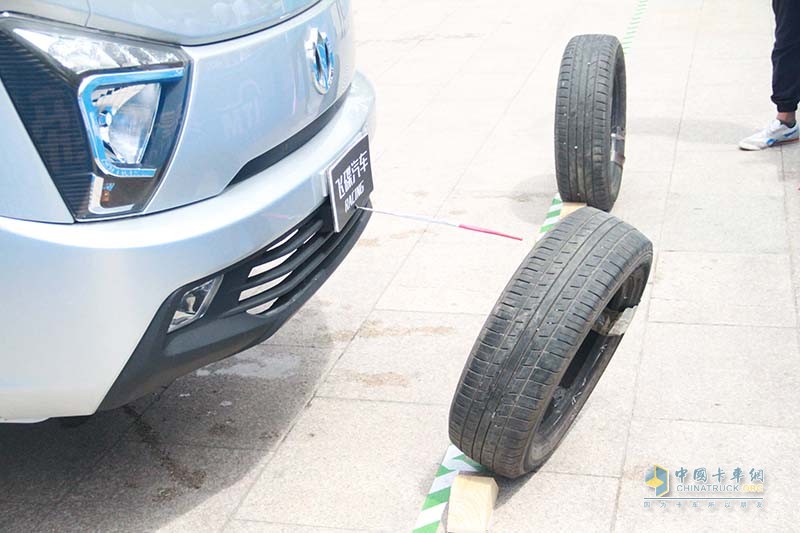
(471, 504)
(570, 207)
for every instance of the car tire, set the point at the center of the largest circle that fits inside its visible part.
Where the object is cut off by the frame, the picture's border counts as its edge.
(548, 341)
(590, 121)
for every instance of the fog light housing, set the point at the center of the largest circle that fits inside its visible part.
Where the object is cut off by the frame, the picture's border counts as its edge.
(194, 303)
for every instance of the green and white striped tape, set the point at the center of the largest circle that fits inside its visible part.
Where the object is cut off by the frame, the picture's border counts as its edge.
(553, 216)
(633, 25)
(439, 494)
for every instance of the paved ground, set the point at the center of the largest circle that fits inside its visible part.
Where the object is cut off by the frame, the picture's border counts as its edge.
(339, 421)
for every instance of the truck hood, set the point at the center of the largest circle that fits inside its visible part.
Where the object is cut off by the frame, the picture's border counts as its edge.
(187, 22)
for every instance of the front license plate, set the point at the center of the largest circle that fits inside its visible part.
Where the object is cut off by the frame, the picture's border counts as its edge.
(350, 183)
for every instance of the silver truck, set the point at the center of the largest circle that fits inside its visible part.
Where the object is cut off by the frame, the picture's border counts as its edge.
(178, 178)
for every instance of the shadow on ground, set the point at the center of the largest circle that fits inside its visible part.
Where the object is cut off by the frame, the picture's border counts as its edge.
(180, 459)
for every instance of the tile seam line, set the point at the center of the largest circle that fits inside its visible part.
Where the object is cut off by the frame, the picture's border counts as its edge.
(303, 524)
(716, 422)
(185, 444)
(723, 252)
(654, 273)
(578, 474)
(792, 249)
(428, 312)
(719, 325)
(790, 245)
(330, 397)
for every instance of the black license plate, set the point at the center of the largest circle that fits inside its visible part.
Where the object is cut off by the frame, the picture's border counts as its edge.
(350, 183)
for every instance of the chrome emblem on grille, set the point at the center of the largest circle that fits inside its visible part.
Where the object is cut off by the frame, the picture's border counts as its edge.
(322, 60)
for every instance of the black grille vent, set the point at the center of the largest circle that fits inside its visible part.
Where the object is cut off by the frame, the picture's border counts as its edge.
(271, 277)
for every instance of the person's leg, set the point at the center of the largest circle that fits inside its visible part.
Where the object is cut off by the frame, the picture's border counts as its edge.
(788, 118)
(786, 59)
(785, 79)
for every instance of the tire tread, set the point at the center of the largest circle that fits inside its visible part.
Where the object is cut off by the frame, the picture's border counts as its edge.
(533, 332)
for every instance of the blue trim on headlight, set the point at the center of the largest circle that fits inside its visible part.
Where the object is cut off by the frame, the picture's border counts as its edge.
(92, 121)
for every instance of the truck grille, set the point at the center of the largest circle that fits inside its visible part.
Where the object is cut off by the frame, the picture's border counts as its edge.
(273, 275)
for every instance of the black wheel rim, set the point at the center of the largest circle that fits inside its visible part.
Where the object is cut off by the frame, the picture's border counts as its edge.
(573, 385)
(582, 373)
(617, 134)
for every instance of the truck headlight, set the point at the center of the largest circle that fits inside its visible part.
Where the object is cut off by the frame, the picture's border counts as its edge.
(103, 111)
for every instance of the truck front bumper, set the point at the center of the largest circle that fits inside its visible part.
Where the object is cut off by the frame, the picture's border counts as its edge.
(86, 306)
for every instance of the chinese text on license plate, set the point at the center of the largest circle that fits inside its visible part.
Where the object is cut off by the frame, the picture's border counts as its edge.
(350, 183)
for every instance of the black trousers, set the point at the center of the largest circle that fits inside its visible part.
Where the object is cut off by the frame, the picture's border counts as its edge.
(786, 55)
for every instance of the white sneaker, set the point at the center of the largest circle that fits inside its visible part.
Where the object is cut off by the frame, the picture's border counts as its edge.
(776, 133)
